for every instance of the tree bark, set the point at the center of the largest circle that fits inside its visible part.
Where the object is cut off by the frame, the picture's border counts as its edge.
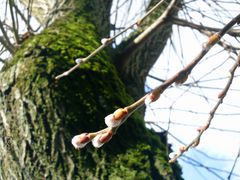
(39, 116)
(136, 56)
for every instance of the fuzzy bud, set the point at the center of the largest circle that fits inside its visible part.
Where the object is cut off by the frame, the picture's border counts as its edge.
(199, 129)
(120, 113)
(196, 143)
(111, 122)
(115, 119)
(105, 137)
(202, 128)
(138, 23)
(172, 155)
(182, 149)
(79, 141)
(151, 98)
(78, 60)
(148, 99)
(221, 95)
(96, 141)
(105, 41)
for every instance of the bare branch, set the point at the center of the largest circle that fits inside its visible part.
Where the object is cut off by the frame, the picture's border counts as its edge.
(212, 170)
(26, 21)
(182, 75)
(106, 42)
(234, 164)
(14, 21)
(201, 28)
(2, 61)
(192, 125)
(116, 119)
(5, 39)
(221, 96)
(156, 24)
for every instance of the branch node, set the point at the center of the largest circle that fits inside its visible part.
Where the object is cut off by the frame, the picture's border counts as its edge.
(214, 39)
(79, 61)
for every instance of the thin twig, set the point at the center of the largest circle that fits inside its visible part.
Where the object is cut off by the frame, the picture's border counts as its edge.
(6, 45)
(26, 21)
(193, 125)
(6, 39)
(201, 28)
(15, 28)
(155, 123)
(212, 112)
(156, 24)
(108, 42)
(234, 164)
(2, 61)
(182, 75)
(179, 77)
(212, 170)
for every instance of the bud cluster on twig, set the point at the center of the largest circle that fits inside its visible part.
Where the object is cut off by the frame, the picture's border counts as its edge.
(118, 117)
(113, 122)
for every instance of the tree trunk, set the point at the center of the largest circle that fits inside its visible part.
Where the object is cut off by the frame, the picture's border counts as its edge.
(39, 115)
(136, 56)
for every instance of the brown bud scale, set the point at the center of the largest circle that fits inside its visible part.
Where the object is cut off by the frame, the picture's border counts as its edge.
(120, 113)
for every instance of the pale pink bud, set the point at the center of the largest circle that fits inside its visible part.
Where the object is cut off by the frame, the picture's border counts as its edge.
(78, 60)
(151, 98)
(105, 41)
(172, 155)
(111, 122)
(105, 137)
(199, 129)
(96, 141)
(196, 143)
(101, 139)
(79, 141)
(182, 149)
(202, 128)
(221, 95)
(115, 119)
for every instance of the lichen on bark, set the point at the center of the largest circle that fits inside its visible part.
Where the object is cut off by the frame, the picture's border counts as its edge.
(39, 115)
